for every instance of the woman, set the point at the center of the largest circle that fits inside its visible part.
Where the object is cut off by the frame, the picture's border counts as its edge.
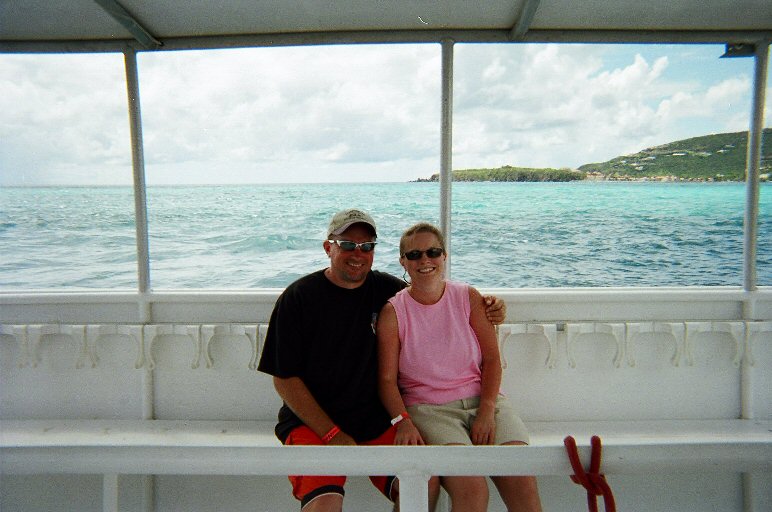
(440, 371)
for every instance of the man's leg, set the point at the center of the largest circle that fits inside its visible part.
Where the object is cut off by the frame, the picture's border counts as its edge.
(325, 503)
(316, 493)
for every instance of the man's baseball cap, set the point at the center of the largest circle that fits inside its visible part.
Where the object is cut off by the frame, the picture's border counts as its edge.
(344, 219)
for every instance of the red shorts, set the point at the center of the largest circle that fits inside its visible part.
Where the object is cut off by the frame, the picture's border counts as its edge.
(306, 488)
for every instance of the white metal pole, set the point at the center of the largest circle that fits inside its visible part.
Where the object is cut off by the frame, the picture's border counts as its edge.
(750, 241)
(140, 193)
(752, 169)
(143, 252)
(446, 146)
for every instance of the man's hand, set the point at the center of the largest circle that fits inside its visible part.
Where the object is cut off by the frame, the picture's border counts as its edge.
(495, 310)
(342, 439)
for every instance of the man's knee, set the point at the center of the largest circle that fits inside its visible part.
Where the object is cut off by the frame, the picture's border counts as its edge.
(331, 502)
(305, 490)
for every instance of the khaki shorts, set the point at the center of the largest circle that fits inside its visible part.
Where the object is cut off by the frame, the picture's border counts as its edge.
(451, 423)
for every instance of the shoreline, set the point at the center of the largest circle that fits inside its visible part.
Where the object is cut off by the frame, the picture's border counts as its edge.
(604, 179)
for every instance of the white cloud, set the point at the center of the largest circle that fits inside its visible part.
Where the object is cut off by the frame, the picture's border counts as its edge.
(60, 113)
(357, 105)
(494, 71)
(560, 106)
(361, 113)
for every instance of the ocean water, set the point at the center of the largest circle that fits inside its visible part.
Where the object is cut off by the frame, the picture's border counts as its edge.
(511, 235)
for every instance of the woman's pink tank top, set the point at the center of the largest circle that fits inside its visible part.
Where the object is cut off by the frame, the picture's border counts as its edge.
(440, 358)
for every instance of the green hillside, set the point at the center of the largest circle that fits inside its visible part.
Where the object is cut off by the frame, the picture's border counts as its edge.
(509, 173)
(719, 157)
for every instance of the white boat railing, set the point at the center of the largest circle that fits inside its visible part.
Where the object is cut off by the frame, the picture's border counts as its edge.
(683, 336)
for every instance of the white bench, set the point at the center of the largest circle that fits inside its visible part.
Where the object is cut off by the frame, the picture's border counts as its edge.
(112, 447)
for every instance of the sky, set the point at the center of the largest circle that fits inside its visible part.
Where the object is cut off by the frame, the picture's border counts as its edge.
(362, 113)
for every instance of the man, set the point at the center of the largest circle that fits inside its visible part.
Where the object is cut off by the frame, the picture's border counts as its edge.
(321, 349)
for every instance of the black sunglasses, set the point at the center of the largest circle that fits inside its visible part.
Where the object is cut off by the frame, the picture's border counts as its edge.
(347, 245)
(432, 252)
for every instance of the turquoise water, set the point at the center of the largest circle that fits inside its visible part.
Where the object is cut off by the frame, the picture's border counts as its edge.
(503, 234)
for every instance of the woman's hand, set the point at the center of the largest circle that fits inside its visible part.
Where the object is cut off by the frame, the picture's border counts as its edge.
(407, 434)
(484, 428)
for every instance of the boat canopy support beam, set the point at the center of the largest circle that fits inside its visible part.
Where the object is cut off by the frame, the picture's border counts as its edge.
(130, 23)
(395, 36)
(524, 19)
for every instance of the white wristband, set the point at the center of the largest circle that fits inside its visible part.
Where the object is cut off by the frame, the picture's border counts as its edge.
(399, 418)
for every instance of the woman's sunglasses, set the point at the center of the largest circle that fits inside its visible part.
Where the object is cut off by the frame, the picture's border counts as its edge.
(432, 252)
(347, 245)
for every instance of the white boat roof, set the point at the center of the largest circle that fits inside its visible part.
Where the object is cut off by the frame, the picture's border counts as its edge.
(110, 25)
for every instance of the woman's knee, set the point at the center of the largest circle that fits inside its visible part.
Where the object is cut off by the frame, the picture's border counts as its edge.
(467, 493)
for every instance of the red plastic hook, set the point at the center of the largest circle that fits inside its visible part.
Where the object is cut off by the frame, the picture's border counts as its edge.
(593, 480)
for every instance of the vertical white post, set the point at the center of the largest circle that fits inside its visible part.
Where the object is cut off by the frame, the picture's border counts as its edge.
(110, 493)
(755, 134)
(140, 193)
(750, 226)
(413, 491)
(143, 252)
(752, 170)
(446, 146)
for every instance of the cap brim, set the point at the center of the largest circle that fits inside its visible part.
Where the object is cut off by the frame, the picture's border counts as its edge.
(344, 227)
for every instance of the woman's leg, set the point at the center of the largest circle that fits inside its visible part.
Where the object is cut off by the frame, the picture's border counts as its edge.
(447, 424)
(467, 493)
(519, 493)
(434, 493)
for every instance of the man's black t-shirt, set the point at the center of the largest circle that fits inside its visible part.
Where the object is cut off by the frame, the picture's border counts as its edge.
(325, 335)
